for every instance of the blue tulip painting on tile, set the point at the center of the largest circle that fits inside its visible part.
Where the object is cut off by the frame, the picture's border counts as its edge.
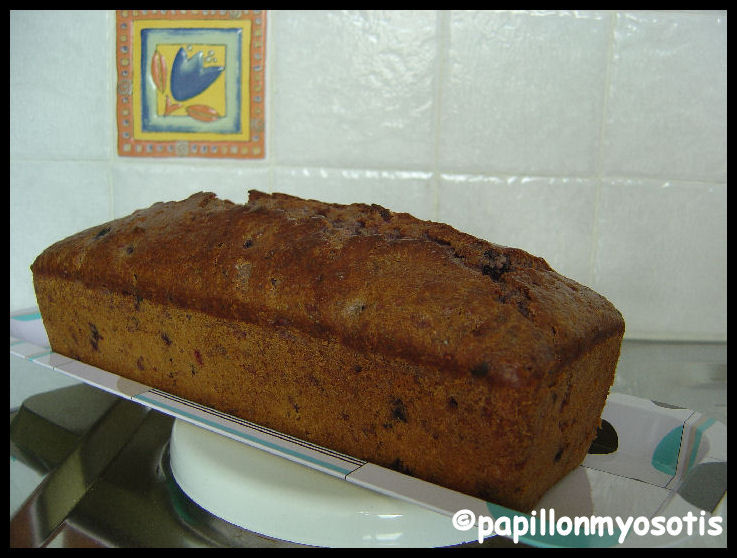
(190, 83)
(189, 77)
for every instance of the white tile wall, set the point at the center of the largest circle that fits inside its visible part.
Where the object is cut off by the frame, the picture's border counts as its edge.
(140, 184)
(523, 93)
(669, 278)
(547, 216)
(50, 200)
(60, 86)
(594, 139)
(404, 191)
(666, 108)
(354, 89)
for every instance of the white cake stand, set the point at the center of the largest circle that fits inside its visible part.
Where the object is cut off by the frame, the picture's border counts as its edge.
(275, 497)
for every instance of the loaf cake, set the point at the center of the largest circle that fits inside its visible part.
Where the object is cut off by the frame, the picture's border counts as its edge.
(398, 341)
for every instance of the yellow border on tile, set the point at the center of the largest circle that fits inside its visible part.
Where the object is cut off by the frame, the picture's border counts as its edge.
(245, 70)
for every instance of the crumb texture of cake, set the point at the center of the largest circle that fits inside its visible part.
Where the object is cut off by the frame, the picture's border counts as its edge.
(399, 341)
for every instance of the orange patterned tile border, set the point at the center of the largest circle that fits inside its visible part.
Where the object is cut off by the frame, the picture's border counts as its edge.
(191, 83)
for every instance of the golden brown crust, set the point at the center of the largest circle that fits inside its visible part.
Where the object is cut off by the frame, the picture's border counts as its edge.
(376, 280)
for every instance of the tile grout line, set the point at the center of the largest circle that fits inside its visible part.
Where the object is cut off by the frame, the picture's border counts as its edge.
(442, 46)
(113, 94)
(449, 172)
(599, 170)
(269, 99)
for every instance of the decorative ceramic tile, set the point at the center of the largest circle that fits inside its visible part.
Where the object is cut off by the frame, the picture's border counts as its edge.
(191, 83)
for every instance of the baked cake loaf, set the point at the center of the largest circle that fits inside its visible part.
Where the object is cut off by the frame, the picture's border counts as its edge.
(402, 342)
